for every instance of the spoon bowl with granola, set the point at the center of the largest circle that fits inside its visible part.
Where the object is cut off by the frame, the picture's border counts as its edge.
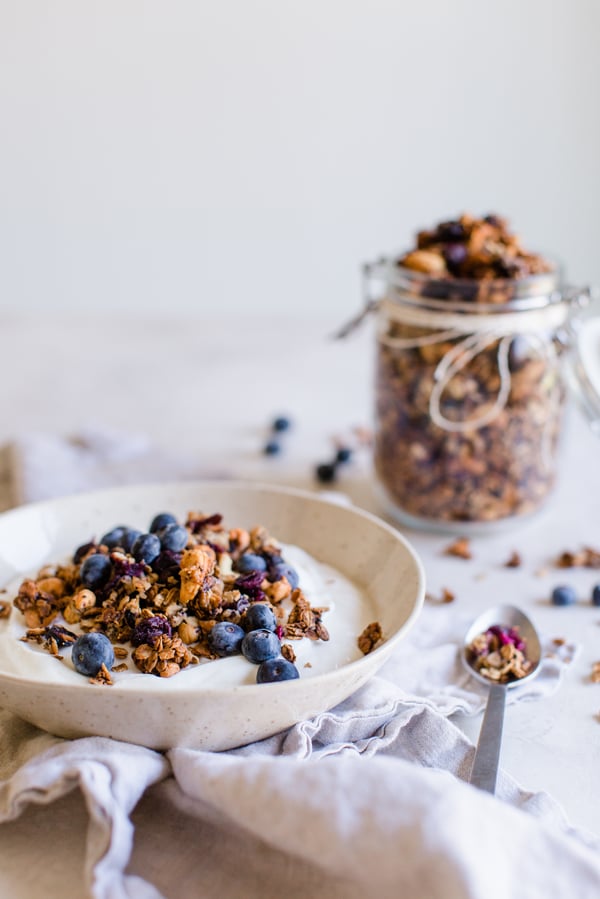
(502, 650)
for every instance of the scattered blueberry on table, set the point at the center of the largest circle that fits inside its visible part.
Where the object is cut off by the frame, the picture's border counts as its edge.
(563, 596)
(282, 423)
(326, 472)
(279, 426)
(272, 448)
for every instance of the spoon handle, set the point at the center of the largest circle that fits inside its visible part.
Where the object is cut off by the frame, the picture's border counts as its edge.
(487, 755)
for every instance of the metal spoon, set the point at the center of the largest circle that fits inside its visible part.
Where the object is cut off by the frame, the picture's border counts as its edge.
(487, 755)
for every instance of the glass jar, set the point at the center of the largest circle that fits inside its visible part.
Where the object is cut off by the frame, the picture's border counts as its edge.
(470, 393)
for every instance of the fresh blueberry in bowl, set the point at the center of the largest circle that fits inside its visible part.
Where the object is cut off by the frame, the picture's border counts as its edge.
(90, 652)
(146, 548)
(260, 645)
(563, 596)
(259, 616)
(129, 538)
(95, 571)
(273, 670)
(114, 538)
(174, 538)
(162, 521)
(225, 638)
(596, 595)
(250, 562)
(279, 568)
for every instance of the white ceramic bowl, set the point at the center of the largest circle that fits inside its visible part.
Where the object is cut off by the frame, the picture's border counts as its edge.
(365, 549)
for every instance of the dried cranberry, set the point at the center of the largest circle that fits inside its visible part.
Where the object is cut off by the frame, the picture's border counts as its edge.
(62, 636)
(450, 231)
(455, 254)
(199, 524)
(167, 564)
(150, 629)
(83, 550)
(248, 582)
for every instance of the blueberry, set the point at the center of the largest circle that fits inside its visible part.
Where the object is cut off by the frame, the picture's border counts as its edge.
(273, 670)
(450, 231)
(95, 571)
(148, 630)
(146, 548)
(563, 596)
(250, 562)
(225, 638)
(278, 569)
(282, 424)
(129, 538)
(259, 616)
(272, 448)
(258, 646)
(343, 455)
(162, 521)
(455, 254)
(91, 652)
(114, 538)
(174, 538)
(326, 472)
(596, 595)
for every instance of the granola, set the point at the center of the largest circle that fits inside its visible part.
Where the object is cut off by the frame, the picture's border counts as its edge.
(159, 614)
(370, 637)
(479, 250)
(588, 557)
(499, 654)
(467, 420)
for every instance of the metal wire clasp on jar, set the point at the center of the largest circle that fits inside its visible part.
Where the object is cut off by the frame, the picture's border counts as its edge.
(469, 395)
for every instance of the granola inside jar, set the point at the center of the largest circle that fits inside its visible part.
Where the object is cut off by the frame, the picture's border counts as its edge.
(470, 391)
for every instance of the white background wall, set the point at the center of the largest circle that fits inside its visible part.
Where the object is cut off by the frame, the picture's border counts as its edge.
(248, 154)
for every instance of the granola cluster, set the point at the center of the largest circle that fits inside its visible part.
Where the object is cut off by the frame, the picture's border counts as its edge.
(479, 443)
(499, 654)
(474, 249)
(160, 614)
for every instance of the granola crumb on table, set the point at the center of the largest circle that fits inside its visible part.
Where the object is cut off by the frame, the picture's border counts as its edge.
(461, 548)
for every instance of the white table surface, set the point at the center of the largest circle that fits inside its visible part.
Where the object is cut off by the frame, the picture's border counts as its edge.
(213, 386)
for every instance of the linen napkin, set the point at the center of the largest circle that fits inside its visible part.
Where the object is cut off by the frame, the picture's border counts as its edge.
(367, 799)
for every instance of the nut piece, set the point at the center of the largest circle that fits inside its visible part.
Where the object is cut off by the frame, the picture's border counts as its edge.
(370, 637)
(426, 262)
(196, 564)
(461, 548)
(165, 657)
(188, 632)
(55, 586)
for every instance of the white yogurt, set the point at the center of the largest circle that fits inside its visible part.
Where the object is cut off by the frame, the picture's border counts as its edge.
(350, 610)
